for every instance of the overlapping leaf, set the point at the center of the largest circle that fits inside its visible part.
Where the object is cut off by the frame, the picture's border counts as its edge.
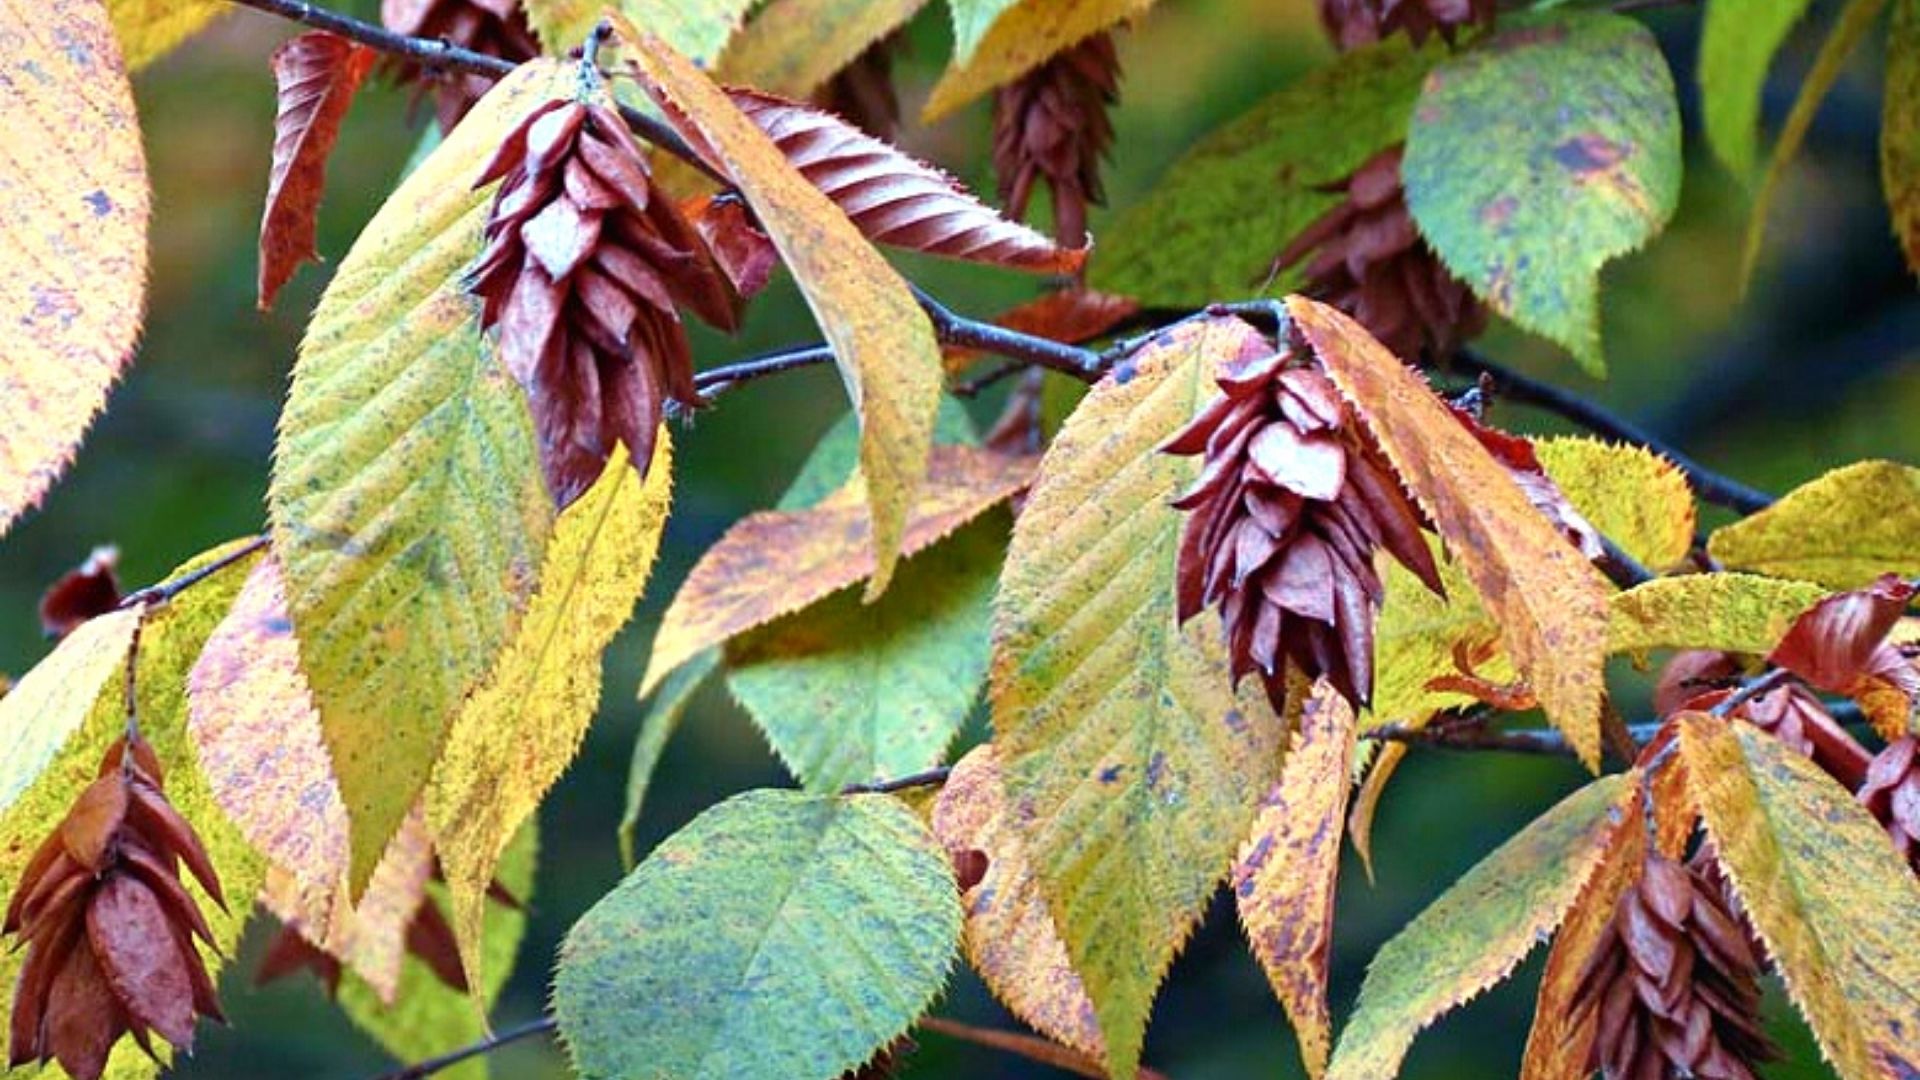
(1417, 637)
(1576, 160)
(1477, 932)
(149, 29)
(1634, 497)
(1900, 128)
(698, 28)
(1010, 937)
(997, 41)
(710, 961)
(1550, 603)
(793, 46)
(1132, 767)
(1738, 40)
(881, 339)
(1732, 612)
(74, 226)
(1842, 530)
(407, 506)
(1818, 879)
(1284, 876)
(777, 562)
(1216, 221)
(895, 199)
(318, 75)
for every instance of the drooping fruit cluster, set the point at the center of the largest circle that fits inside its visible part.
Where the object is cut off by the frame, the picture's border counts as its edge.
(1292, 502)
(109, 926)
(87, 590)
(1353, 23)
(862, 93)
(1051, 124)
(495, 27)
(1891, 793)
(1366, 257)
(1673, 984)
(583, 272)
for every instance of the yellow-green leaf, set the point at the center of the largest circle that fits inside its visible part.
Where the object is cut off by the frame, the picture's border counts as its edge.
(1132, 766)
(1732, 612)
(997, 41)
(1477, 932)
(698, 28)
(518, 732)
(1738, 39)
(1822, 884)
(793, 46)
(1842, 530)
(49, 703)
(882, 340)
(1900, 128)
(1856, 19)
(1549, 601)
(1284, 876)
(1414, 641)
(408, 511)
(73, 222)
(1636, 498)
(149, 29)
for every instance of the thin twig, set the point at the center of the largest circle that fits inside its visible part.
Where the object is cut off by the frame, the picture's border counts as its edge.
(933, 777)
(1031, 1047)
(1619, 565)
(1711, 486)
(129, 693)
(167, 590)
(973, 387)
(716, 381)
(1551, 743)
(955, 329)
(540, 1026)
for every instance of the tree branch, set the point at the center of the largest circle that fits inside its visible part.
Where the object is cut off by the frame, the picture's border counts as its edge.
(167, 590)
(933, 777)
(1031, 1047)
(1477, 736)
(540, 1026)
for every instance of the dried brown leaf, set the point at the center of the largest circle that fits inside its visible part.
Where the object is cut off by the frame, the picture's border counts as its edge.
(317, 74)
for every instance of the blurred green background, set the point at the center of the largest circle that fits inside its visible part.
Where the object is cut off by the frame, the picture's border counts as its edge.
(1810, 370)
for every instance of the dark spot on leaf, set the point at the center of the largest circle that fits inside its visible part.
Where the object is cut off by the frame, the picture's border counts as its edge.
(1156, 771)
(1236, 721)
(1123, 373)
(1589, 153)
(1495, 213)
(99, 202)
(1111, 773)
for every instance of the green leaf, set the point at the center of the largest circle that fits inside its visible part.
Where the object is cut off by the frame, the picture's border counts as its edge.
(427, 1016)
(1133, 769)
(1900, 128)
(1477, 932)
(698, 28)
(1842, 530)
(1729, 612)
(1538, 156)
(1213, 226)
(1856, 19)
(1738, 40)
(656, 727)
(779, 936)
(407, 506)
(848, 692)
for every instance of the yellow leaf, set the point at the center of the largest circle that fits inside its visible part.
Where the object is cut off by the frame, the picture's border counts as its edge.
(1822, 884)
(1550, 603)
(775, 562)
(1842, 530)
(1477, 932)
(519, 731)
(1415, 639)
(73, 224)
(998, 41)
(882, 341)
(1009, 937)
(1731, 612)
(43, 710)
(697, 28)
(1132, 766)
(149, 29)
(793, 46)
(1285, 873)
(407, 506)
(1636, 498)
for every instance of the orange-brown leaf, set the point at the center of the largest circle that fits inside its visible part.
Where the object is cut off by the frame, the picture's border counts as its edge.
(895, 199)
(776, 562)
(1550, 602)
(317, 74)
(1071, 315)
(74, 229)
(1010, 937)
(1285, 874)
(1367, 802)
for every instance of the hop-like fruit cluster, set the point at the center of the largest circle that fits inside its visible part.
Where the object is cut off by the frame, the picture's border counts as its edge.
(1366, 257)
(109, 926)
(1701, 679)
(583, 271)
(495, 27)
(1892, 794)
(862, 93)
(1673, 984)
(1292, 502)
(1052, 124)
(1353, 23)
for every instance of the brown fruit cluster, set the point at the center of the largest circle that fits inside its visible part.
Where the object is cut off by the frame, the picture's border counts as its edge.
(495, 27)
(862, 93)
(1292, 502)
(109, 926)
(1701, 679)
(1051, 124)
(1353, 23)
(583, 273)
(1366, 257)
(1891, 793)
(90, 589)
(1673, 984)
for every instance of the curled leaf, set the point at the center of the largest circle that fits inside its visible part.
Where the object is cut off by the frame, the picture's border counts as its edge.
(1844, 636)
(317, 74)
